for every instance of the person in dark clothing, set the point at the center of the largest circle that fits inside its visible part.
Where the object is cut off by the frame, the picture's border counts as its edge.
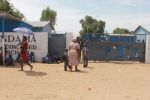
(1, 59)
(32, 57)
(17, 58)
(79, 40)
(9, 60)
(65, 59)
(85, 55)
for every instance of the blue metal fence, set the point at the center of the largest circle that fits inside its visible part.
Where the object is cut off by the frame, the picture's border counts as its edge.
(114, 47)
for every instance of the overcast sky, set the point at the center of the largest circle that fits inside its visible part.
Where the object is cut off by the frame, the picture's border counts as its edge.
(116, 13)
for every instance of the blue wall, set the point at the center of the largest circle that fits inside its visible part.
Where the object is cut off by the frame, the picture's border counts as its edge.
(127, 39)
(0, 24)
(23, 24)
(111, 38)
(11, 24)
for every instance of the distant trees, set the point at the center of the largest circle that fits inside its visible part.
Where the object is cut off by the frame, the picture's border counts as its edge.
(92, 25)
(6, 6)
(49, 15)
(121, 31)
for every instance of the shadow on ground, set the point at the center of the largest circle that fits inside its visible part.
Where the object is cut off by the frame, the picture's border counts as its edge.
(80, 71)
(34, 73)
(6, 66)
(88, 67)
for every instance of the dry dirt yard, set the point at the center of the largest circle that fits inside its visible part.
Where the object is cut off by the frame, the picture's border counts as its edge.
(100, 81)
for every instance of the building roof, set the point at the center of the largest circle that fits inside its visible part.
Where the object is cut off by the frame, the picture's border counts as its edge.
(145, 28)
(121, 34)
(39, 23)
(8, 16)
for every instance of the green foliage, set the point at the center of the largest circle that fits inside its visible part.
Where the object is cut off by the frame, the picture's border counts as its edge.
(92, 25)
(120, 31)
(49, 15)
(7, 7)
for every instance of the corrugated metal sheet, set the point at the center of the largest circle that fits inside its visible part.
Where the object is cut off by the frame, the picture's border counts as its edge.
(39, 24)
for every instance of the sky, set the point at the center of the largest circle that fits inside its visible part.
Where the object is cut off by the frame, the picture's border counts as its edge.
(116, 13)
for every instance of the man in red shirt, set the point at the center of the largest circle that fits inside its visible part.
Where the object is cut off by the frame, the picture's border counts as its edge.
(24, 53)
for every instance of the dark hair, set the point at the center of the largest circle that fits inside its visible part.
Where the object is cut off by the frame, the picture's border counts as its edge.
(24, 38)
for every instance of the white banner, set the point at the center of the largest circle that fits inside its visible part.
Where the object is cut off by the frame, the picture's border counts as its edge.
(37, 44)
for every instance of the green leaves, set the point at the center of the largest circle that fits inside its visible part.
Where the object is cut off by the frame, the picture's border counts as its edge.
(7, 7)
(120, 31)
(92, 26)
(49, 15)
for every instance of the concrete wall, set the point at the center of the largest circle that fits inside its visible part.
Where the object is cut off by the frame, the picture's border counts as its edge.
(147, 54)
(37, 44)
(68, 39)
(47, 28)
(141, 37)
(37, 29)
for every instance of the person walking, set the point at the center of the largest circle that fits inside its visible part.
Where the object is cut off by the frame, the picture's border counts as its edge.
(24, 59)
(74, 54)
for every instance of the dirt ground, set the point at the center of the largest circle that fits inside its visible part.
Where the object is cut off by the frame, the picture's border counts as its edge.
(100, 81)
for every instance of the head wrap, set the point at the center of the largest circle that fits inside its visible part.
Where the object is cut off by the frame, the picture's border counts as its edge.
(74, 39)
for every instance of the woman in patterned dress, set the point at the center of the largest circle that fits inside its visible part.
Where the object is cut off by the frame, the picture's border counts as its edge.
(74, 54)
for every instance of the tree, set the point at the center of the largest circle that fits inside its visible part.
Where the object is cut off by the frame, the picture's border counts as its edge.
(92, 25)
(49, 15)
(121, 31)
(7, 7)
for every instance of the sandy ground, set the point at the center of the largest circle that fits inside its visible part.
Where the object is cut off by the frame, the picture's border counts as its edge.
(100, 81)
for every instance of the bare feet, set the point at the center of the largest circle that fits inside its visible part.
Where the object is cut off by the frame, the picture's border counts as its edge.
(70, 70)
(31, 68)
(77, 70)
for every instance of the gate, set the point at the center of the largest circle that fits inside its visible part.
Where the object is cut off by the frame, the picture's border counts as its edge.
(56, 44)
(115, 48)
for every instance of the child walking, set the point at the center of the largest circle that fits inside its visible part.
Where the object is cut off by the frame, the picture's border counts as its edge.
(65, 59)
(85, 55)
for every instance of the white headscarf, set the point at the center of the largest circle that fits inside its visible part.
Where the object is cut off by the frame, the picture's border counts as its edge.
(74, 39)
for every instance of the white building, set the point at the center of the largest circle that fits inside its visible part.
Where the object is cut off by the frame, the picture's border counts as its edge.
(41, 26)
(141, 33)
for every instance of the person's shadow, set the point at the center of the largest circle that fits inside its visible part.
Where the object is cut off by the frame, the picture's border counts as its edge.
(34, 73)
(80, 71)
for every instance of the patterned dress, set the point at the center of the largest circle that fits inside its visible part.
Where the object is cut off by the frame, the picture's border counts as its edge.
(73, 54)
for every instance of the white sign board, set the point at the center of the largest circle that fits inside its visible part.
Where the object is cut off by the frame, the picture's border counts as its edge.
(37, 44)
(147, 54)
